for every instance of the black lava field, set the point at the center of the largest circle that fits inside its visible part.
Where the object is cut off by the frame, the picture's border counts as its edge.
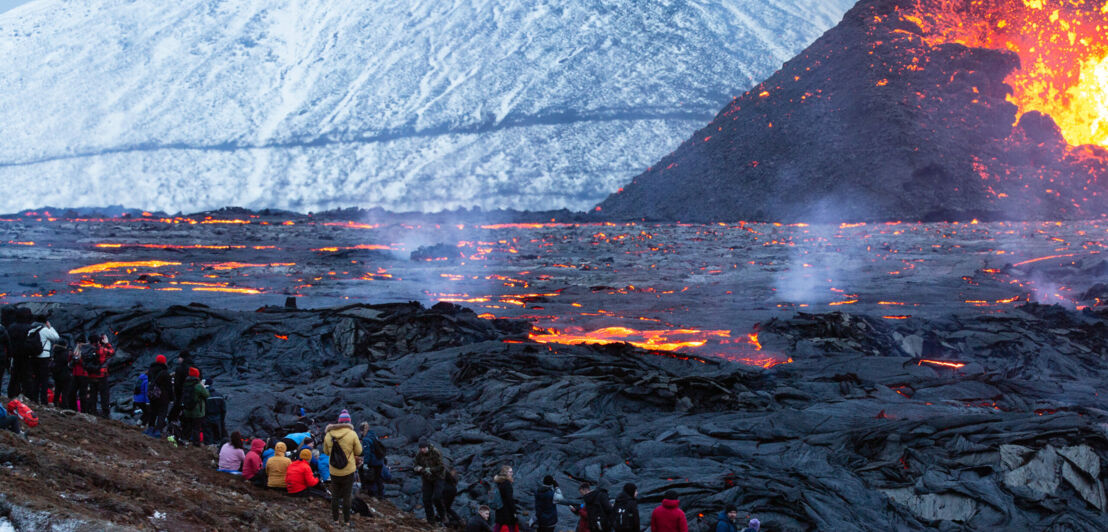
(879, 376)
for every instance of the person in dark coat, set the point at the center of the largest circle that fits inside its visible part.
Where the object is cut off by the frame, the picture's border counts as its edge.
(428, 465)
(5, 343)
(22, 320)
(506, 520)
(158, 377)
(546, 509)
(625, 513)
(373, 481)
(61, 373)
(215, 416)
(449, 493)
(599, 508)
(480, 522)
(180, 374)
(728, 520)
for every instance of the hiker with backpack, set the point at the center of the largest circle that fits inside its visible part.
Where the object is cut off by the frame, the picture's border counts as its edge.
(429, 466)
(597, 506)
(344, 448)
(159, 393)
(546, 509)
(215, 415)
(668, 517)
(373, 480)
(94, 367)
(40, 345)
(625, 512)
(61, 372)
(193, 403)
(22, 320)
(180, 375)
(504, 499)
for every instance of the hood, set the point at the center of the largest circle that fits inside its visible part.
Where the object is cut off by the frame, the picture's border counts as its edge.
(257, 446)
(670, 503)
(723, 517)
(370, 435)
(280, 448)
(340, 427)
(624, 496)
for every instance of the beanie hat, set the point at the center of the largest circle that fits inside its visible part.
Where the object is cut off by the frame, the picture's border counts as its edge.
(670, 494)
(548, 480)
(305, 454)
(755, 524)
(344, 416)
(423, 442)
(160, 359)
(630, 489)
(730, 509)
(193, 372)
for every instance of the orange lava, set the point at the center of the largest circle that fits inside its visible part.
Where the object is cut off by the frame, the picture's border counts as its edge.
(359, 246)
(1063, 50)
(942, 363)
(108, 266)
(657, 340)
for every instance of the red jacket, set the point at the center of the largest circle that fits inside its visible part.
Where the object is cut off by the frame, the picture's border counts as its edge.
(253, 462)
(299, 477)
(668, 518)
(105, 351)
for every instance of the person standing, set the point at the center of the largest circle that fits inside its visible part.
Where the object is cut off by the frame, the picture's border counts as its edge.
(598, 507)
(373, 481)
(215, 415)
(429, 467)
(40, 361)
(5, 343)
(343, 447)
(668, 517)
(625, 513)
(96, 377)
(17, 334)
(753, 526)
(180, 375)
(61, 371)
(192, 406)
(506, 520)
(546, 509)
(728, 520)
(159, 391)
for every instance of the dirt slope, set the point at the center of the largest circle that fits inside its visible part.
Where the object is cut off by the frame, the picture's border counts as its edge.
(78, 472)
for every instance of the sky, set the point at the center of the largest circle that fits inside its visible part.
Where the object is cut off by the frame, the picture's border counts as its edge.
(8, 4)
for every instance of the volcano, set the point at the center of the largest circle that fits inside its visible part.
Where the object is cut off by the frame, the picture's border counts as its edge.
(907, 110)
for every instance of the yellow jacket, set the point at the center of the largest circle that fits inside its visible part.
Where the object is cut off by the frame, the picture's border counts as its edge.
(348, 440)
(277, 466)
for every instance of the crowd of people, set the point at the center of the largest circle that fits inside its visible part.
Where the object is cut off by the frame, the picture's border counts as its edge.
(332, 465)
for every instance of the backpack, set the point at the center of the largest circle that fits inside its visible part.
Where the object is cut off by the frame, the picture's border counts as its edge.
(188, 399)
(495, 502)
(338, 456)
(32, 344)
(624, 518)
(378, 449)
(90, 359)
(141, 386)
(598, 518)
(153, 393)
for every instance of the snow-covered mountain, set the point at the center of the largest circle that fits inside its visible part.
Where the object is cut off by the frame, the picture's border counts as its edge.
(411, 104)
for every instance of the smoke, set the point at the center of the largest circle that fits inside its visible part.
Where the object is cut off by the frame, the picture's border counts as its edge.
(817, 260)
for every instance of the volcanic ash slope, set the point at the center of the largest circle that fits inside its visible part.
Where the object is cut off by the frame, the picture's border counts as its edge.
(874, 121)
(414, 105)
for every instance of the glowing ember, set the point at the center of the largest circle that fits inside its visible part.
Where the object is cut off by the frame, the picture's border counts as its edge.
(1063, 50)
(108, 266)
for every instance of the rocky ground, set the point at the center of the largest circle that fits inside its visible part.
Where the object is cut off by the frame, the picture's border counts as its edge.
(978, 421)
(76, 472)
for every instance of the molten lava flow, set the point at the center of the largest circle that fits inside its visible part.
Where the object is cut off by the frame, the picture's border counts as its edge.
(658, 340)
(1062, 46)
(108, 266)
(942, 363)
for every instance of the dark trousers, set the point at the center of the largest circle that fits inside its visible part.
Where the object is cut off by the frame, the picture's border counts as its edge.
(62, 387)
(191, 428)
(96, 388)
(342, 491)
(5, 363)
(372, 483)
(40, 380)
(156, 418)
(449, 493)
(432, 499)
(18, 378)
(546, 528)
(76, 388)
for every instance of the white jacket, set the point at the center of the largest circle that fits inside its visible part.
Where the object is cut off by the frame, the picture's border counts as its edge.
(47, 336)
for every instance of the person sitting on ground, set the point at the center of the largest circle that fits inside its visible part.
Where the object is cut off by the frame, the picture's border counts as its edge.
(299, 477)
(299, 437)
(252, 462)
(625, 513)
(231, 455)
(668, 517)
(276, 467)
(480, 522)
(10, 423)
(753, 526)
(506, 520)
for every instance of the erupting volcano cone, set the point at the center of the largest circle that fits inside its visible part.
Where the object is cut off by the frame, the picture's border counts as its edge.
(908, 109)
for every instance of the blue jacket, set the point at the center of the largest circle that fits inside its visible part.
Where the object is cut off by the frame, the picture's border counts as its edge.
(725, 524)
(266, 455)
(367, 444)
(299, 437)
(140, 389)
(546, 512)
(323, 465)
